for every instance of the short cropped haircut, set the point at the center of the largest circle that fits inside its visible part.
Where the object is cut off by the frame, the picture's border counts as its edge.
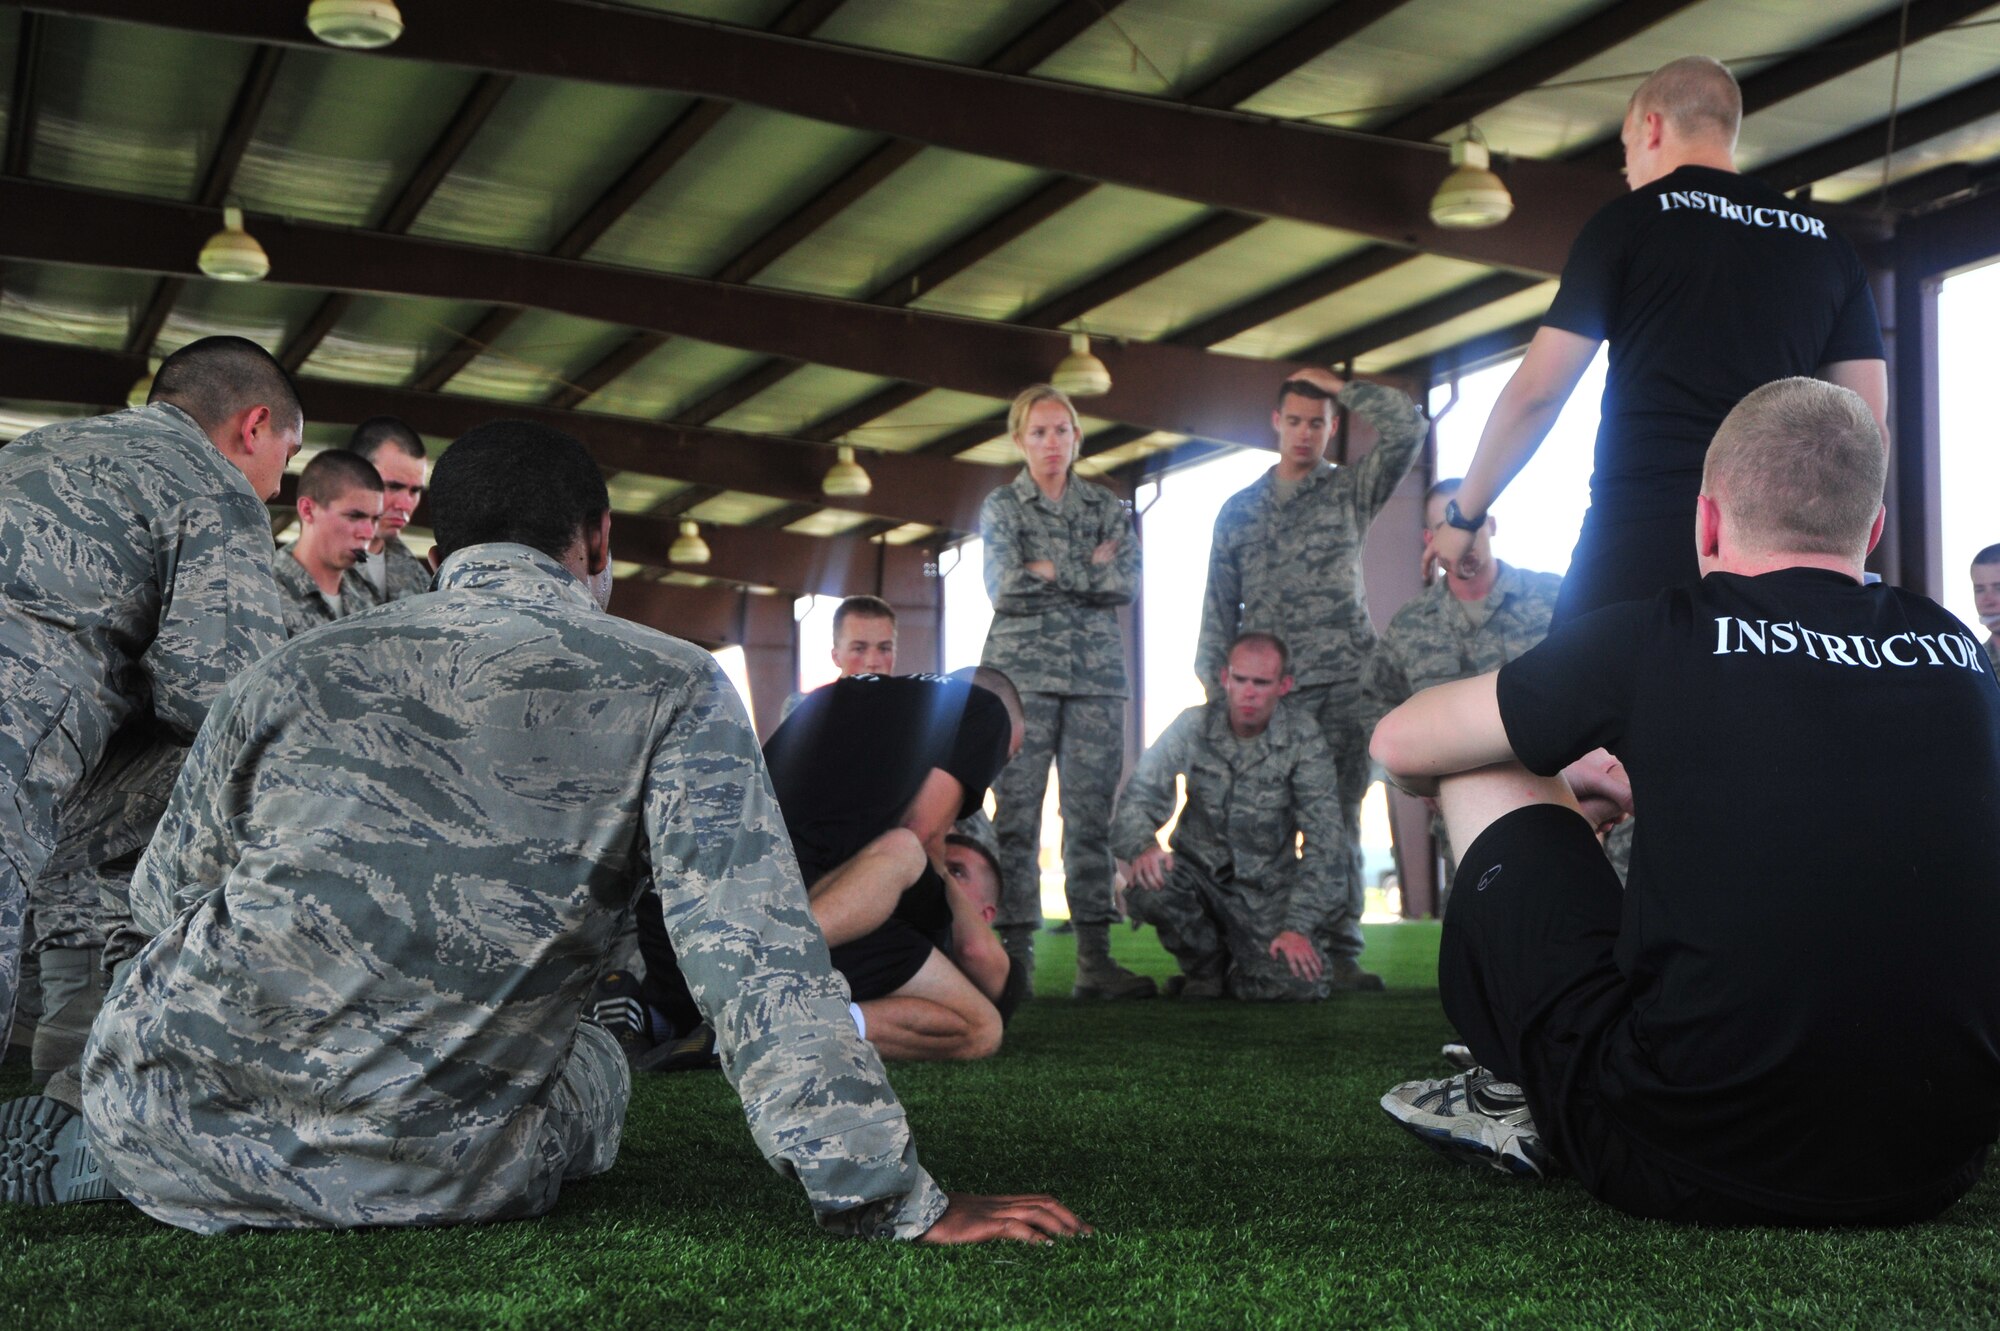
(1990, 555)
(868, 607)
(1028, 398)
(516, 481)
(1262, 639)
(972, 843)
(1301, 388)
(1698, 96)
(1439, 489)
(333, 473)
(380, 432)
(1798, 466)
(996, 683)
(215, 378)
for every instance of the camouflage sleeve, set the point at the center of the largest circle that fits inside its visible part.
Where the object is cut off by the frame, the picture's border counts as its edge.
(1117, 582)
(219, 608)
(193, 850)
(1014, 590)
(1147, 801)
(1385, 679)
(1221, 605)
(1318, 890)
(817, 1101)
(1401, 428)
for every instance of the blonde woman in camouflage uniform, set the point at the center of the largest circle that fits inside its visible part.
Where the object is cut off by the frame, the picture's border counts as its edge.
(1061, 557)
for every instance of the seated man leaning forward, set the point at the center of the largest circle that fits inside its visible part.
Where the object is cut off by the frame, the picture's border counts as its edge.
(1235, 901)
(870, 774)
(344, 1020)
(1790, 1015)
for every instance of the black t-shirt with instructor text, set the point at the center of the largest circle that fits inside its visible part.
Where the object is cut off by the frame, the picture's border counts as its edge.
(851, 757)
(1812, 919)
(1706, 284)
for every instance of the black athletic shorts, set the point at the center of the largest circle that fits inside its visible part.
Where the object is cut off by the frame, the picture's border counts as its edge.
(1527, 976)
(1626, 561)
(880, 963)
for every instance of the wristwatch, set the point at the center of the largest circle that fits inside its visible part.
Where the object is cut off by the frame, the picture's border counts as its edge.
(1454, 518)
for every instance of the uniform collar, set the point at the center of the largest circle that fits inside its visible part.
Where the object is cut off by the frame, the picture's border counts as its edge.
(1030, 493)
(1321, 470)
(190, 432)
(506, 569)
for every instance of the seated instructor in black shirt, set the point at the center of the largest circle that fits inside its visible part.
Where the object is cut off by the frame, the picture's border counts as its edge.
(1792, 1015)
(1706, 284)
(871, 772)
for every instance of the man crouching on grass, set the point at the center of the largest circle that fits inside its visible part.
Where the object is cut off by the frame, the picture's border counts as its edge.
(1791, 1015)
(393, 864)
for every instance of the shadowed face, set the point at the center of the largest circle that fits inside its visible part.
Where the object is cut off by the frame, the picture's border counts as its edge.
(1986, 594)
(973, 872)
(865, 645)
(1303, 425)
(403, 479)
(338, 531)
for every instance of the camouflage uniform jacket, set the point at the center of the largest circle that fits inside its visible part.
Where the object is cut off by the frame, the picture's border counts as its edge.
(403, 575)
(1437, 638)
(388, 875)
(305, 605)
(1058, 636)
(1294, 568)
(1247, 801)
(135, 567)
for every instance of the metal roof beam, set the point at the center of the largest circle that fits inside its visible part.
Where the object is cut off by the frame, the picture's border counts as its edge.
(21, 109)
(237, 128)
(1298, 47)
(1220, 158)
(1939, 116)
(431, 171)
(934, 491)
(1155, 385)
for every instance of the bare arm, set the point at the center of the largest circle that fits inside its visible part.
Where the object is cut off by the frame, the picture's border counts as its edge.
(1452, 728)
(974, 946)
(1870, 378)
(933, 811)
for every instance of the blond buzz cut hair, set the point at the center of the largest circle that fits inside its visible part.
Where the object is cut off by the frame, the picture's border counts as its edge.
(1697, 95)
(1798, 467)
(1026, 401)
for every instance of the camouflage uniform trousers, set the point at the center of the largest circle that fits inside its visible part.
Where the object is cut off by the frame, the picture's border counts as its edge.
(1342, 711)
(586, 1116)
(1085, 736)
(85, 891)
(1223, 930)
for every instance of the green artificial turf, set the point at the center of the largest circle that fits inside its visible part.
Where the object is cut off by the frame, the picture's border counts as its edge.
(1233, 1159)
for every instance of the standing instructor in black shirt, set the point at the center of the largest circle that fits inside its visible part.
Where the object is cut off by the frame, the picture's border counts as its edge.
(1706, 284)
(1791, 1015)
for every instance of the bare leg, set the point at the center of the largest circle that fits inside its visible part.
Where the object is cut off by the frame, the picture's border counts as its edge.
(938, 1015)
(855, 899)
(1473, 801)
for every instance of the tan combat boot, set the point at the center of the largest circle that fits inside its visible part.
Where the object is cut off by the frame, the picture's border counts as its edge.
(1097, 975)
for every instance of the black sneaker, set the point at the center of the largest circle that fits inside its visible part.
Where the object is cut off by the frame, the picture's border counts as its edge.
(44, 1159)
(617, 1005)
(681, 1053)
(1473, 1118)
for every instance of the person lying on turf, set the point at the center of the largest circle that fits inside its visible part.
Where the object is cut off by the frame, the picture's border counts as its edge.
(1790, 1015)
(396, 858)
(871, 772)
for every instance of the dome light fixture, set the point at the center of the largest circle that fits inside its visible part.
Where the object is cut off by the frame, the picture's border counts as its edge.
(688, 547)
(142, 387)
(356, 25)
(233, 254)
(845, 479)
(1081, 374)
(1471, 197)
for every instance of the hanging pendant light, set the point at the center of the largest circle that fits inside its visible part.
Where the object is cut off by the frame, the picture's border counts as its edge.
(688, 547)
(1471, 197)
(845, 479)
(357, 25)
(233, 254)
(1081, 374)
(142, 387)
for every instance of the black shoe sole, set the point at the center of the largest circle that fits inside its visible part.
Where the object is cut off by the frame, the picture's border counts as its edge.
(44, 1160)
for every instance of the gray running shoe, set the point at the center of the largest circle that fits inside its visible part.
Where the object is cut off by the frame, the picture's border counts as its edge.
(1475, 1119)
(44, 1159)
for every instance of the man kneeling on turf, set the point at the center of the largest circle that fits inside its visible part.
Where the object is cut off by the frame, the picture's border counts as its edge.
(395, 859)
(1790, 1016)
